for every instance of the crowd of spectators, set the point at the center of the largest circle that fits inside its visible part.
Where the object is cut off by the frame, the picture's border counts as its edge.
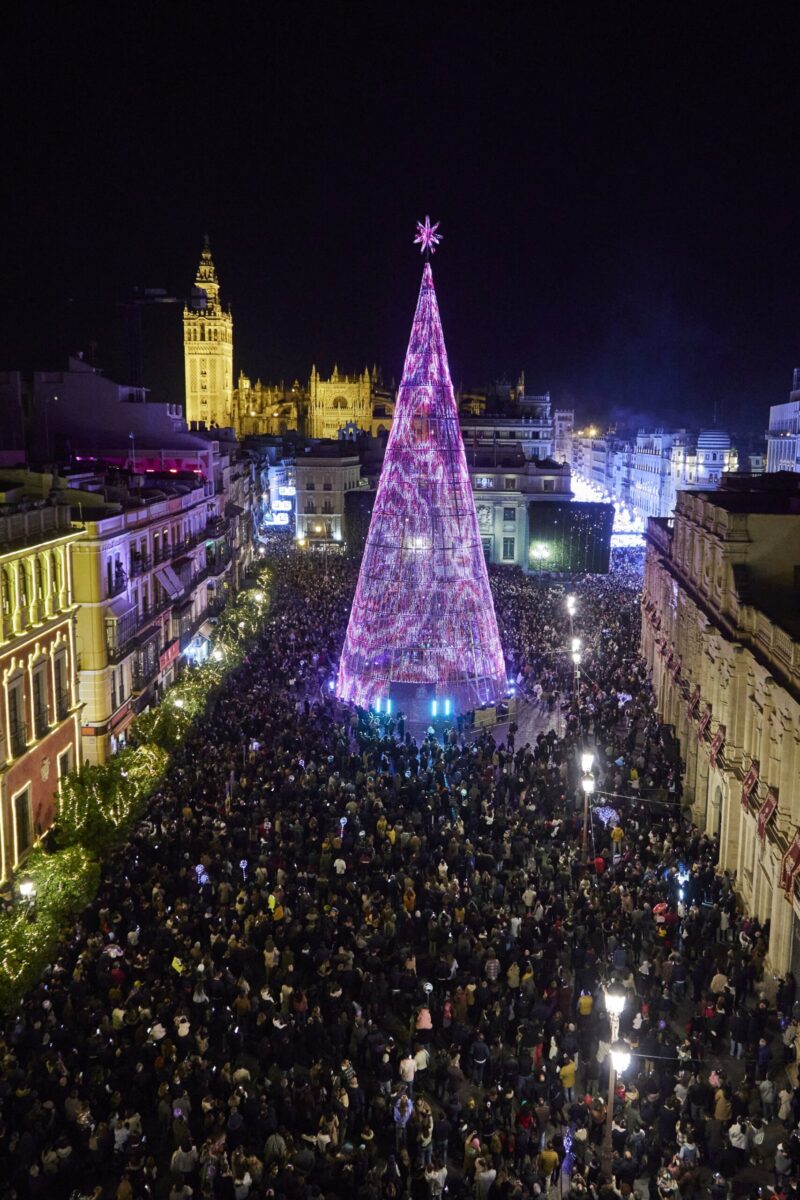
(346, 957)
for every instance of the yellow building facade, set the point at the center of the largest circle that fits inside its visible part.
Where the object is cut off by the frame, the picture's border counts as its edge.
(39, 708)
(208, 350)
(721, 636)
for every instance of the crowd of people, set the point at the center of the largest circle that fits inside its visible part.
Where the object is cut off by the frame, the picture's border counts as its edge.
(346, 957)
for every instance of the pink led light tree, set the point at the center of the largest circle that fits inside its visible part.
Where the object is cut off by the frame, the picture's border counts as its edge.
(422, 630)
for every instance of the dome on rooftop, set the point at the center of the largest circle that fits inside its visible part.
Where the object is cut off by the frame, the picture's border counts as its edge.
(713, 439)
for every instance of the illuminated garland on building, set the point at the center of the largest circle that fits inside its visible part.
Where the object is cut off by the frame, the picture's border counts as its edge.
(100, 804)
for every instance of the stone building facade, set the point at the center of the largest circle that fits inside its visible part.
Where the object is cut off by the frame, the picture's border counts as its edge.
(721, 635)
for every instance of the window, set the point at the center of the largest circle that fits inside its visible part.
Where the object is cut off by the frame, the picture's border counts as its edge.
(64, 762)
(484, 482)
(8, 594)
(510, 483)
(62, 693)
(509, 514)
(23, 823)
(40, 715)
(549, 485)
(16, 718)
(22, 584)
(487, 548)
(508, 548)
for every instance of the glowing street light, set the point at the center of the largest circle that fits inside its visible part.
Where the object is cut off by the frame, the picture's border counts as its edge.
(620, 1060)
(587, 761)
(572, 604)
(27, 888)
(575, 645)
(587, 783)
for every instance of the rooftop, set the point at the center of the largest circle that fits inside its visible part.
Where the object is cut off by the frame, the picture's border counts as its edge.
(777, 492)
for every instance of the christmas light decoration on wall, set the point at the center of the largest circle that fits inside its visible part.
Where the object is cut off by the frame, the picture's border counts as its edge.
(422, 628)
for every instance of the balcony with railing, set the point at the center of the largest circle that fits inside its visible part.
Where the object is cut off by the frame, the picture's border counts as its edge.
(140, 564)
(143, 675)
(119, 581)
(120, 632)
(218, 560)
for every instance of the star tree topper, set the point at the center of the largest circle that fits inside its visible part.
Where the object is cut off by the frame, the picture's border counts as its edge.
(428, 237)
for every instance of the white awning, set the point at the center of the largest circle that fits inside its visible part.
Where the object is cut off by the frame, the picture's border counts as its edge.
(169, 581)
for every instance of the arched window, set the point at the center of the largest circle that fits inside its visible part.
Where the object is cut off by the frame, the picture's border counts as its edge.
(40, 589)
(8, 593)
(22, 585)
(56, 581)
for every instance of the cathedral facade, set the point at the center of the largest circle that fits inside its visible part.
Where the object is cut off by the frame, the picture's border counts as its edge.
(345, 401)
(327, 407)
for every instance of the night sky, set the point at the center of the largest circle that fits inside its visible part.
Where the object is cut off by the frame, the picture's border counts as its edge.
(618, 189)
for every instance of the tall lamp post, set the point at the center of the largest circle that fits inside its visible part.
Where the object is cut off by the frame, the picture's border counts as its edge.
(587, 784)
(575, 647)
(620, 1061)
(572, 604)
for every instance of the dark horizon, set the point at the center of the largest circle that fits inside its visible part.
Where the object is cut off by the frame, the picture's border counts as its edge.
(616, 194)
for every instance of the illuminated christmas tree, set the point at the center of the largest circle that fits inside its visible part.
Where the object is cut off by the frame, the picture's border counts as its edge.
(422, 634)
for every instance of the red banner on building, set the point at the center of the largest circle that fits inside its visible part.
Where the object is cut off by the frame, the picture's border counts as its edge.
(750, 781)
(718, 741)
(694, 701)
(169, 655)
(765, 813)
(790, 865)
(703, 723)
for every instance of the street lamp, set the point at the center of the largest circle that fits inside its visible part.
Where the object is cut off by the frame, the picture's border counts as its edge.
(27, 891)
(27, 888)
(571, 605)
(587, 761)
(576, 658)
(620, 1060)
(587, 783)
(575, 645)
